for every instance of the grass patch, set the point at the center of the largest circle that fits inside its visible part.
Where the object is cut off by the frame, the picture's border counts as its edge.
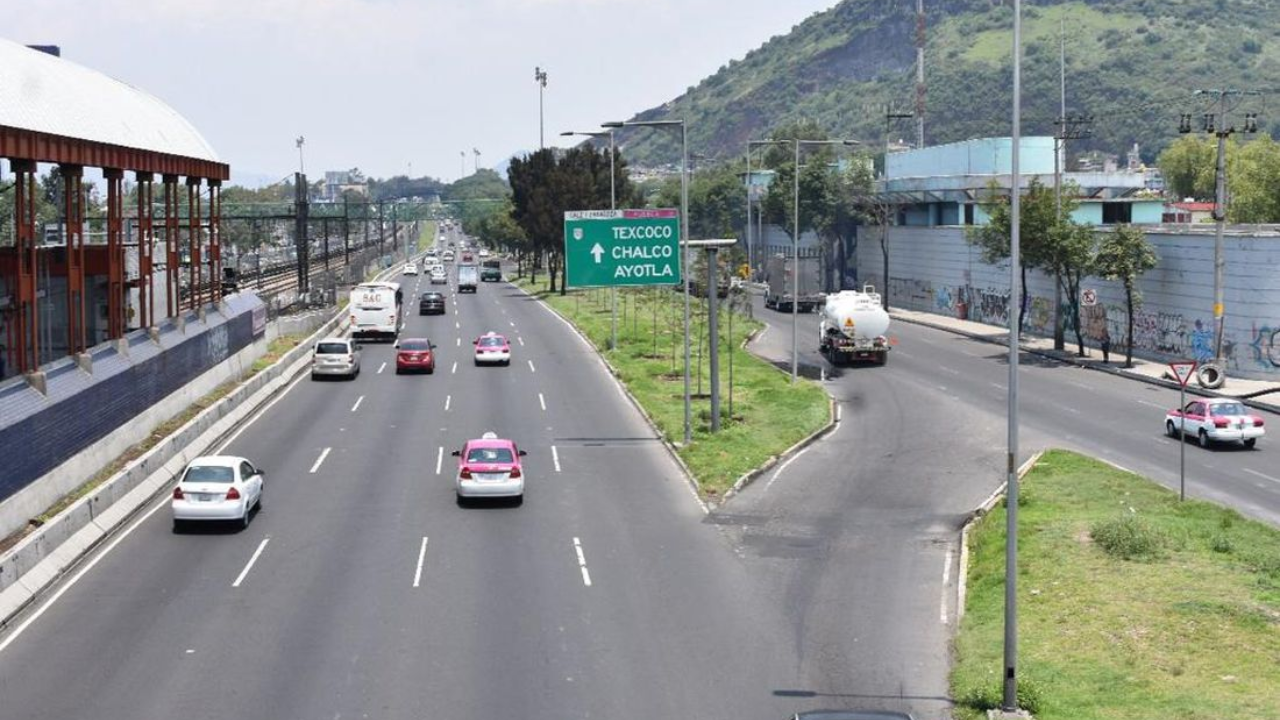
(1132, 604)
(769, 413)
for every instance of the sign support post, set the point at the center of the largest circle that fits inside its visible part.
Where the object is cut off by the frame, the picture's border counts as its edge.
(1182, 370)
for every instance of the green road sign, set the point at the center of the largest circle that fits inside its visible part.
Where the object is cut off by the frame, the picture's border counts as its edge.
(614, 248)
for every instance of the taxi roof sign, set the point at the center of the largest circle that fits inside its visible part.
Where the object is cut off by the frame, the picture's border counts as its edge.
(1183, 370)
(848, 322)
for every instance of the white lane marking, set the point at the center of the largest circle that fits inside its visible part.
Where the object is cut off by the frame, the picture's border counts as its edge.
(582, 562)
(357, 405)
(779, 471)
(555, 457)
(1073, 411)
(512, 324)
(256, 554)
(953, 371)
(1262, 475)
(439, 459)
(422, 556)
(161, 503)
(447, 399)
(1150, 404)
(998, 385)
(521, 340)
(531, 367)
(323, 454)
(946, 580)
(381, 368)
(459, 343)
(457, 324)
(543, 402)
(455, 368)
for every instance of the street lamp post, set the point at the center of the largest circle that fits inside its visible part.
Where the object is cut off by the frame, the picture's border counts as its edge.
(795, 254)
(1010, 695)
(540, 77)
(613, 205)
(684, 226)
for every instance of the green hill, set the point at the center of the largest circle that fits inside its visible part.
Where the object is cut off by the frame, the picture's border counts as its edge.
(1132, 64)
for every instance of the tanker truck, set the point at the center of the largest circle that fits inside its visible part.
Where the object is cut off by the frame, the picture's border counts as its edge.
(853, 327)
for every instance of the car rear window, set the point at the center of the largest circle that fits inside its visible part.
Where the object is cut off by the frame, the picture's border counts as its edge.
(489, 455)
(415, 345)
(332, 348)
(209, 473)
(1228, 409)
(491, 342)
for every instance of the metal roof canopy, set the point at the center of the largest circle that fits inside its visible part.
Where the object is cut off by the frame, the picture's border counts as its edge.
(55, 111)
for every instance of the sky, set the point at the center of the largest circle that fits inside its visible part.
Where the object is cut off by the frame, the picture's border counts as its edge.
(399, 86)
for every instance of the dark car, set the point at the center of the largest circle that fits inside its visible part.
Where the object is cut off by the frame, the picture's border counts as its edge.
(431, 303)
(491, 270)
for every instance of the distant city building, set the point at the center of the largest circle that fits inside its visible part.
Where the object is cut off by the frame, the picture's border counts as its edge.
(948, 184)
(339, 182)
(1188, 212)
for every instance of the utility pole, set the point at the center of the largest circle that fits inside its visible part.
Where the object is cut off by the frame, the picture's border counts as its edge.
(302, 243)
(540, 77)
(302, 167)
(1213, 373)
(919, 73)
(1009, 696)
(476, 166)
(889, 116)
(1066, 127)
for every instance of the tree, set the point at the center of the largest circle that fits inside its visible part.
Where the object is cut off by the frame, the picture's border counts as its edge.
(532, 199)
(1124, 254)
(1069, 257)
(1037, 232)
(1188, 167)
(1253, 177)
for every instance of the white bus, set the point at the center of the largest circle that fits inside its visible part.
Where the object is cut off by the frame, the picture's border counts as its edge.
(375, 310)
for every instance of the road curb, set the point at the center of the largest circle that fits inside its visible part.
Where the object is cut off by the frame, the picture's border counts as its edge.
(53, 551)
(689, 479)
(1078, 362)
(962, 575)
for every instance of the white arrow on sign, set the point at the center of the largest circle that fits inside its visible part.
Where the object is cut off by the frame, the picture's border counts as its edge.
(598, 252)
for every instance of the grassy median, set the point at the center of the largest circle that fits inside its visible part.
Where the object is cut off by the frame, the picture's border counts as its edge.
(769, 414)
(1132, 605)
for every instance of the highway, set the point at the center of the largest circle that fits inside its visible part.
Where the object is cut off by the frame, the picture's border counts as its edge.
(363, 590)
(859, 533)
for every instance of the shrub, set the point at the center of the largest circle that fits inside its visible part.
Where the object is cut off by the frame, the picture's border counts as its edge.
(1128, 537)
(1221, 544)
(989, 697)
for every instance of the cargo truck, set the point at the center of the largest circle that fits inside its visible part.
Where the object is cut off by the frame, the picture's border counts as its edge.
(781, 284)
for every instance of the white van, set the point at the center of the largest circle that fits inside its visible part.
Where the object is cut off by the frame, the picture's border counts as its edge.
(375, 310)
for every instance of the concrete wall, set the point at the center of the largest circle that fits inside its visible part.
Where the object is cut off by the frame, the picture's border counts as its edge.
(935, 270)
(109, 400)
(984, 156)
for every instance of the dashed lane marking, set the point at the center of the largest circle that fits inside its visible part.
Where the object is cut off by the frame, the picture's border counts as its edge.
(555, 457)
(323, 454)
(357, 405)
(249, 566)
(422, 556)
(381, 368)
(582, 562)
(543, 402)
(531, 367)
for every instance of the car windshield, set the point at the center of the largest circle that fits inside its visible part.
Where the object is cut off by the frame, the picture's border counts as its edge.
(415, 345)
(209, 473)
(1228, 409)
(489, 455)
(332, 348)
(491, 342)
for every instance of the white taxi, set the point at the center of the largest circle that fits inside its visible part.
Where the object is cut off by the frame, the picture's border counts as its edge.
(1216, 420)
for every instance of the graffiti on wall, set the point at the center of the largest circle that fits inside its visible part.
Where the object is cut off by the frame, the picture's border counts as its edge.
(943, 301)
(915, 294)
(990, 305)
(1040, 315)
(1266, 346)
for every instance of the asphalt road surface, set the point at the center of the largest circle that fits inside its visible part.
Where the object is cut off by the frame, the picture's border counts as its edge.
(363, 591)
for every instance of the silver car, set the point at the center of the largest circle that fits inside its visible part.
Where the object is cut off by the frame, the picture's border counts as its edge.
(335, 356)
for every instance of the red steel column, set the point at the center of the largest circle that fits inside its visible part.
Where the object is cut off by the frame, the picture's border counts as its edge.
(115, 252)
(24, 345)
(172, 263)
(146, 245)
(73, 211)
(215, 240)
(195, 272)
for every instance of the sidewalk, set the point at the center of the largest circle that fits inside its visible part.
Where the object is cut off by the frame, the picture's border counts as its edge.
(1261, 394)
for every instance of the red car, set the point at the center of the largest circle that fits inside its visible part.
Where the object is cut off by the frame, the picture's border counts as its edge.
(492, 348)
(415, 354)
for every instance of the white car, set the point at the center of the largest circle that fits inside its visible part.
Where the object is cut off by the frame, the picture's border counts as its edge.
(484, 253)
(410, 269)
(1216, 420)
(438, 276)
(335, 356)
(217, 488)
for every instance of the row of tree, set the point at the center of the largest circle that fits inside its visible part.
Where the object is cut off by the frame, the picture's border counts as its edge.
(1052, 242)
(1189, 167)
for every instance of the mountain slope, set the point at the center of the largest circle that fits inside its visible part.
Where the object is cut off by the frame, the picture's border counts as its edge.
(1132, 64)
